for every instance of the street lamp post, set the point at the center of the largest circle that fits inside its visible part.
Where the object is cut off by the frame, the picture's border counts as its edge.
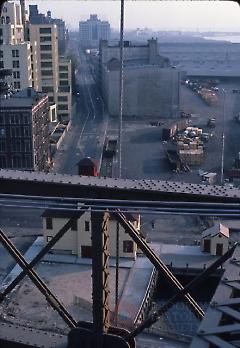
(223, 138)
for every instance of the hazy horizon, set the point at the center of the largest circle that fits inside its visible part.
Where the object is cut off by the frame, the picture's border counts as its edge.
(155, 15)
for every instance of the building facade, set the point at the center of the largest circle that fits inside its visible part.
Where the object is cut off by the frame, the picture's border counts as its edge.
(53, 72)
(15, 53)
(65, 90)
(77, 240)
(24, 134)
(92, 31)
(151, 84)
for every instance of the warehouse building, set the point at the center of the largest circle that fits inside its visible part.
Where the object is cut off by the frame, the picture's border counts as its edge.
(151, 84)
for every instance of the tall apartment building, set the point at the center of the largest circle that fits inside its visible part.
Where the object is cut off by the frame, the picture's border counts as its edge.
(24, 135)
(11, 24)
(45, 36)
(54, 73)
(92, 31)
(39, 18)
(15, 54)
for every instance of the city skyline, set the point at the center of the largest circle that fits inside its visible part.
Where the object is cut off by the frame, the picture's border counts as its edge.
(156, 15)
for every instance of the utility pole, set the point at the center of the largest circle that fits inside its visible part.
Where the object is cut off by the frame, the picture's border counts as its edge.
(223, 138)
(120, 92)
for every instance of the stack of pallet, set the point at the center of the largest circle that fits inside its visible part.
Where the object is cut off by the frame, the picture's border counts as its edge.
(192, 157)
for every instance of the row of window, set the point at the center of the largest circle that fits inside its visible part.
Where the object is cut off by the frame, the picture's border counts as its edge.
(16, 131)
(16, 161)
(18, 118)
(16, 146)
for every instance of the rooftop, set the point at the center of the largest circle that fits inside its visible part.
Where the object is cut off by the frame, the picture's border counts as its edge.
(22, 99)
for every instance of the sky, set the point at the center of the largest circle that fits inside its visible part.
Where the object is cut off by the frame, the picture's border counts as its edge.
(173, 15)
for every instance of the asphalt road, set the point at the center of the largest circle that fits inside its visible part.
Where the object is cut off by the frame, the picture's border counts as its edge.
(89, 123)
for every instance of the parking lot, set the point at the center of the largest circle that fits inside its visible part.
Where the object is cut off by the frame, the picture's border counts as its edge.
(143, 152)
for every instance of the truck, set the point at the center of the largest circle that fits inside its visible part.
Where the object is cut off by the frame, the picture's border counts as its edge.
(211, 122)
(110, 147)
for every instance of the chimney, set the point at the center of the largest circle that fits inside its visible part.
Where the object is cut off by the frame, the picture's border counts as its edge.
(153, 51)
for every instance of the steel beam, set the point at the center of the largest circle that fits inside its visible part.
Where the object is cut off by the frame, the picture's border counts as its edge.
(157, 262)
(100, 276)
(192, 285)
(50, 297)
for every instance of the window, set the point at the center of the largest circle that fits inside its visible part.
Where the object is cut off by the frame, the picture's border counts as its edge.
(2, 132)
(1, 54)
(46, 64)
(127, 246)
(63, 75)
(15, 53)
(50, 99)
(45, 47)
(3, 161)
(1, 64)
(62, 107)
(47, 89)
(16, 74)
(63, 83)
(45, 38)
(46, 56)
(74, 226)
(49, 238)
(87, 226)
(46, 72)
(26, 130)
(63, 98)
(49, 224)
(2, 145)
(17, 85)
(45, 30)
(15, 64)
(63, 68)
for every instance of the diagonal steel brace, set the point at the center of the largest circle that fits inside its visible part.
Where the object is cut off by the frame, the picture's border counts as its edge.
(179, 294)
(42, 253)
(50, 297)
(157, 262)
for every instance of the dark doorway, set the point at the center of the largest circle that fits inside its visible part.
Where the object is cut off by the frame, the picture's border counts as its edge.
(219, 249)
(207, 245)
(86, 251)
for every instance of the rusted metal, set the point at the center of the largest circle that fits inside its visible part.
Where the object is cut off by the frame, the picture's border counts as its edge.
(42, 184)
(116, 276)
(100, 276)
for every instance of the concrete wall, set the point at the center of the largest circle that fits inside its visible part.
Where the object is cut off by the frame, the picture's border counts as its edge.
(67, 242)
(149, 91)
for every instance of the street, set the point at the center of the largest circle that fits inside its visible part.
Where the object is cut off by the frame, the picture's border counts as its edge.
(89, 123)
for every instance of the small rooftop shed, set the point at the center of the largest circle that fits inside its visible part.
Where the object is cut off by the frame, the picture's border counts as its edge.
(215, 240)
